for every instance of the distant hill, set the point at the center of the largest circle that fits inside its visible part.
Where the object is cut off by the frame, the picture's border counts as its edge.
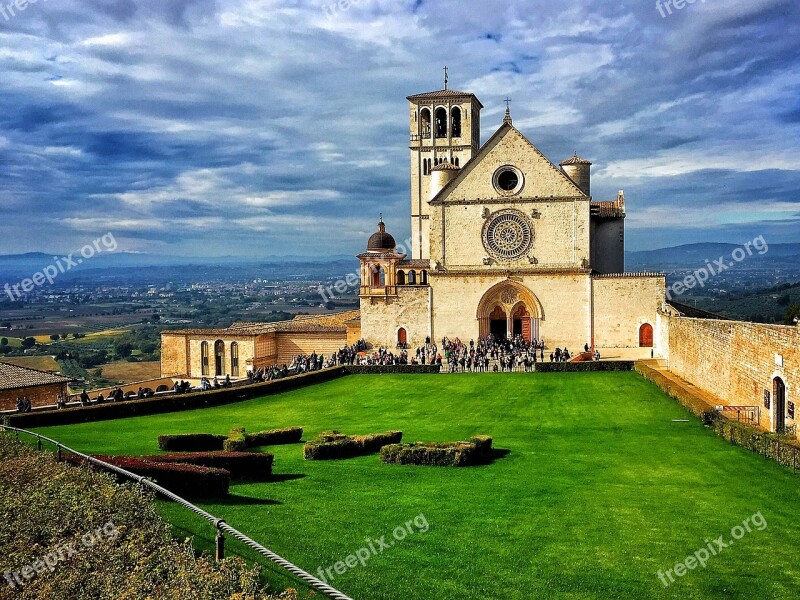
(23, 265)
(693, 256)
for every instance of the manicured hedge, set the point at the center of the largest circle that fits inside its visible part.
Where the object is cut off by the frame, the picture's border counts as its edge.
(434, 454)
(172, 403)
(241, 465)
(191, 442)
(392, 369)
(235, 441)
(275, 437)
(182, 479)
(331, 445)
(583, 367)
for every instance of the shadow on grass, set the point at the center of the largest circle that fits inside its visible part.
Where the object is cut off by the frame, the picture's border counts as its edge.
(279, 477)
(493, 455)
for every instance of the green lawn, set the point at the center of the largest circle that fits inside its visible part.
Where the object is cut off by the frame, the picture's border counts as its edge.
(599, 491)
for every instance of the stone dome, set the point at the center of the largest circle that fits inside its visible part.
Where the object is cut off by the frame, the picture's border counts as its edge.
(381, 241)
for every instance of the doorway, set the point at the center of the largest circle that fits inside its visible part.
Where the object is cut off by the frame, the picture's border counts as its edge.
(779, 397)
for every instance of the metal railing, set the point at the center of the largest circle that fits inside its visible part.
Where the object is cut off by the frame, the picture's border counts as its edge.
(220, 525)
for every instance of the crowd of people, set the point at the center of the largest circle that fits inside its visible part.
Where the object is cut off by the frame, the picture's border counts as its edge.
(492, 353)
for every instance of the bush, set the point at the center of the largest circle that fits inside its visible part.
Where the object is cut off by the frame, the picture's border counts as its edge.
(241, 465)
(191, 442)
(435, 454)
(275, 437)
(236, 441)
(181, 479)
(331, 445)
(47, 505)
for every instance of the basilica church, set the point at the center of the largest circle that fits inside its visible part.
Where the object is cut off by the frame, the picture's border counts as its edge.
(504, 242)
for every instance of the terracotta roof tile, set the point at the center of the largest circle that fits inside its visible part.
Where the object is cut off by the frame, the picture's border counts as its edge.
(13, 377)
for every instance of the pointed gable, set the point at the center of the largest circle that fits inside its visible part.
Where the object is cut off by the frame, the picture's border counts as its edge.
(508, 146)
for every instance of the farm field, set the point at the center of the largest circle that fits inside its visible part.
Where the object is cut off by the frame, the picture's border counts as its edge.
(131, 372)
(599, 491)
(42, 363)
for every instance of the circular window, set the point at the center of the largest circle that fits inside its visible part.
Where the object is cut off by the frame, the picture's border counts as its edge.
(508, 180)
(508, 235)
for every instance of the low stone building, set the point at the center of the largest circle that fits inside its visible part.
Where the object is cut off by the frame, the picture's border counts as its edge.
(233, 351)
(40, 387)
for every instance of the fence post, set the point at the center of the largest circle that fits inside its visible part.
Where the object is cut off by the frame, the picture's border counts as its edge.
(58, 452)
(220, 543)
(38, 443)
(794, 459)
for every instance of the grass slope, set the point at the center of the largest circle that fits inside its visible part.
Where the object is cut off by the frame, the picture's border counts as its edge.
(600, 490)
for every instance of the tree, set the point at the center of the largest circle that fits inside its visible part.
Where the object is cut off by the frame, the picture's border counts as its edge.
(4, 342)
(28, 342)
(156, 317)
(792, 313)
(54, 337)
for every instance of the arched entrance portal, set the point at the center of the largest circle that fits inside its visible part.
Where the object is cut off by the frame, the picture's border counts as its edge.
(509, 309)
(779, 397)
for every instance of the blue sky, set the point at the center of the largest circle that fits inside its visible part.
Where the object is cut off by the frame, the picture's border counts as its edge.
(195, 127)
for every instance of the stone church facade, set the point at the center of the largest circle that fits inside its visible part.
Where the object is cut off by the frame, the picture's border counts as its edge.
(503, 242)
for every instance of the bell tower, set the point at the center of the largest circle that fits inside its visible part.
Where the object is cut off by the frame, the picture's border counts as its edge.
(445, 128)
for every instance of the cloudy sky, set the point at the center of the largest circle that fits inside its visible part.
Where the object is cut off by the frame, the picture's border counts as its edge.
(262, 127)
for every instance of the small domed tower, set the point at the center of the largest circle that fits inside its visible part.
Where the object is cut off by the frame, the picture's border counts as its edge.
(441, 175)
(379, 264)
(579, 170)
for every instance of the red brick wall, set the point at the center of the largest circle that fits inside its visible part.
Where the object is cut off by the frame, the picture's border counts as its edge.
(42, 395)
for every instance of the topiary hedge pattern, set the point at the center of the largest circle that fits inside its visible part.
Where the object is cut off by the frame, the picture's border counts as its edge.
(181, 479)
(332, 445)
(440, 454)
(275, 437)
(191, 442)
(241, 465)
(235, 441)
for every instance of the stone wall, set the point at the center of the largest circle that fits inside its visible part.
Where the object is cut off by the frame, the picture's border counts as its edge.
(737, 361)
(292, 344)
(381, 318)
(622, 304)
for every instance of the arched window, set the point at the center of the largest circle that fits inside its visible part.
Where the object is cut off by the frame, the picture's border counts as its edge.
(441, 122)
(401, 278)
(234, 359)
(646, 336)
(378, 276)
(425, 118)
(425, 166)
(219, 358)
(423, 278)
(412, 278)
(204, 359)
(429, 166)
(779, 399)
(457, 162)
(455, 128)
(402, 337)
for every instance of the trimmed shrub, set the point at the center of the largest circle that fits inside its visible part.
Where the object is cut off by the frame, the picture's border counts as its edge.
(236, 441)
(275, 437)
(435, 454)
(332, 445)
(241, 465)
(191, 442)
(181, 479)
(584, 367)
